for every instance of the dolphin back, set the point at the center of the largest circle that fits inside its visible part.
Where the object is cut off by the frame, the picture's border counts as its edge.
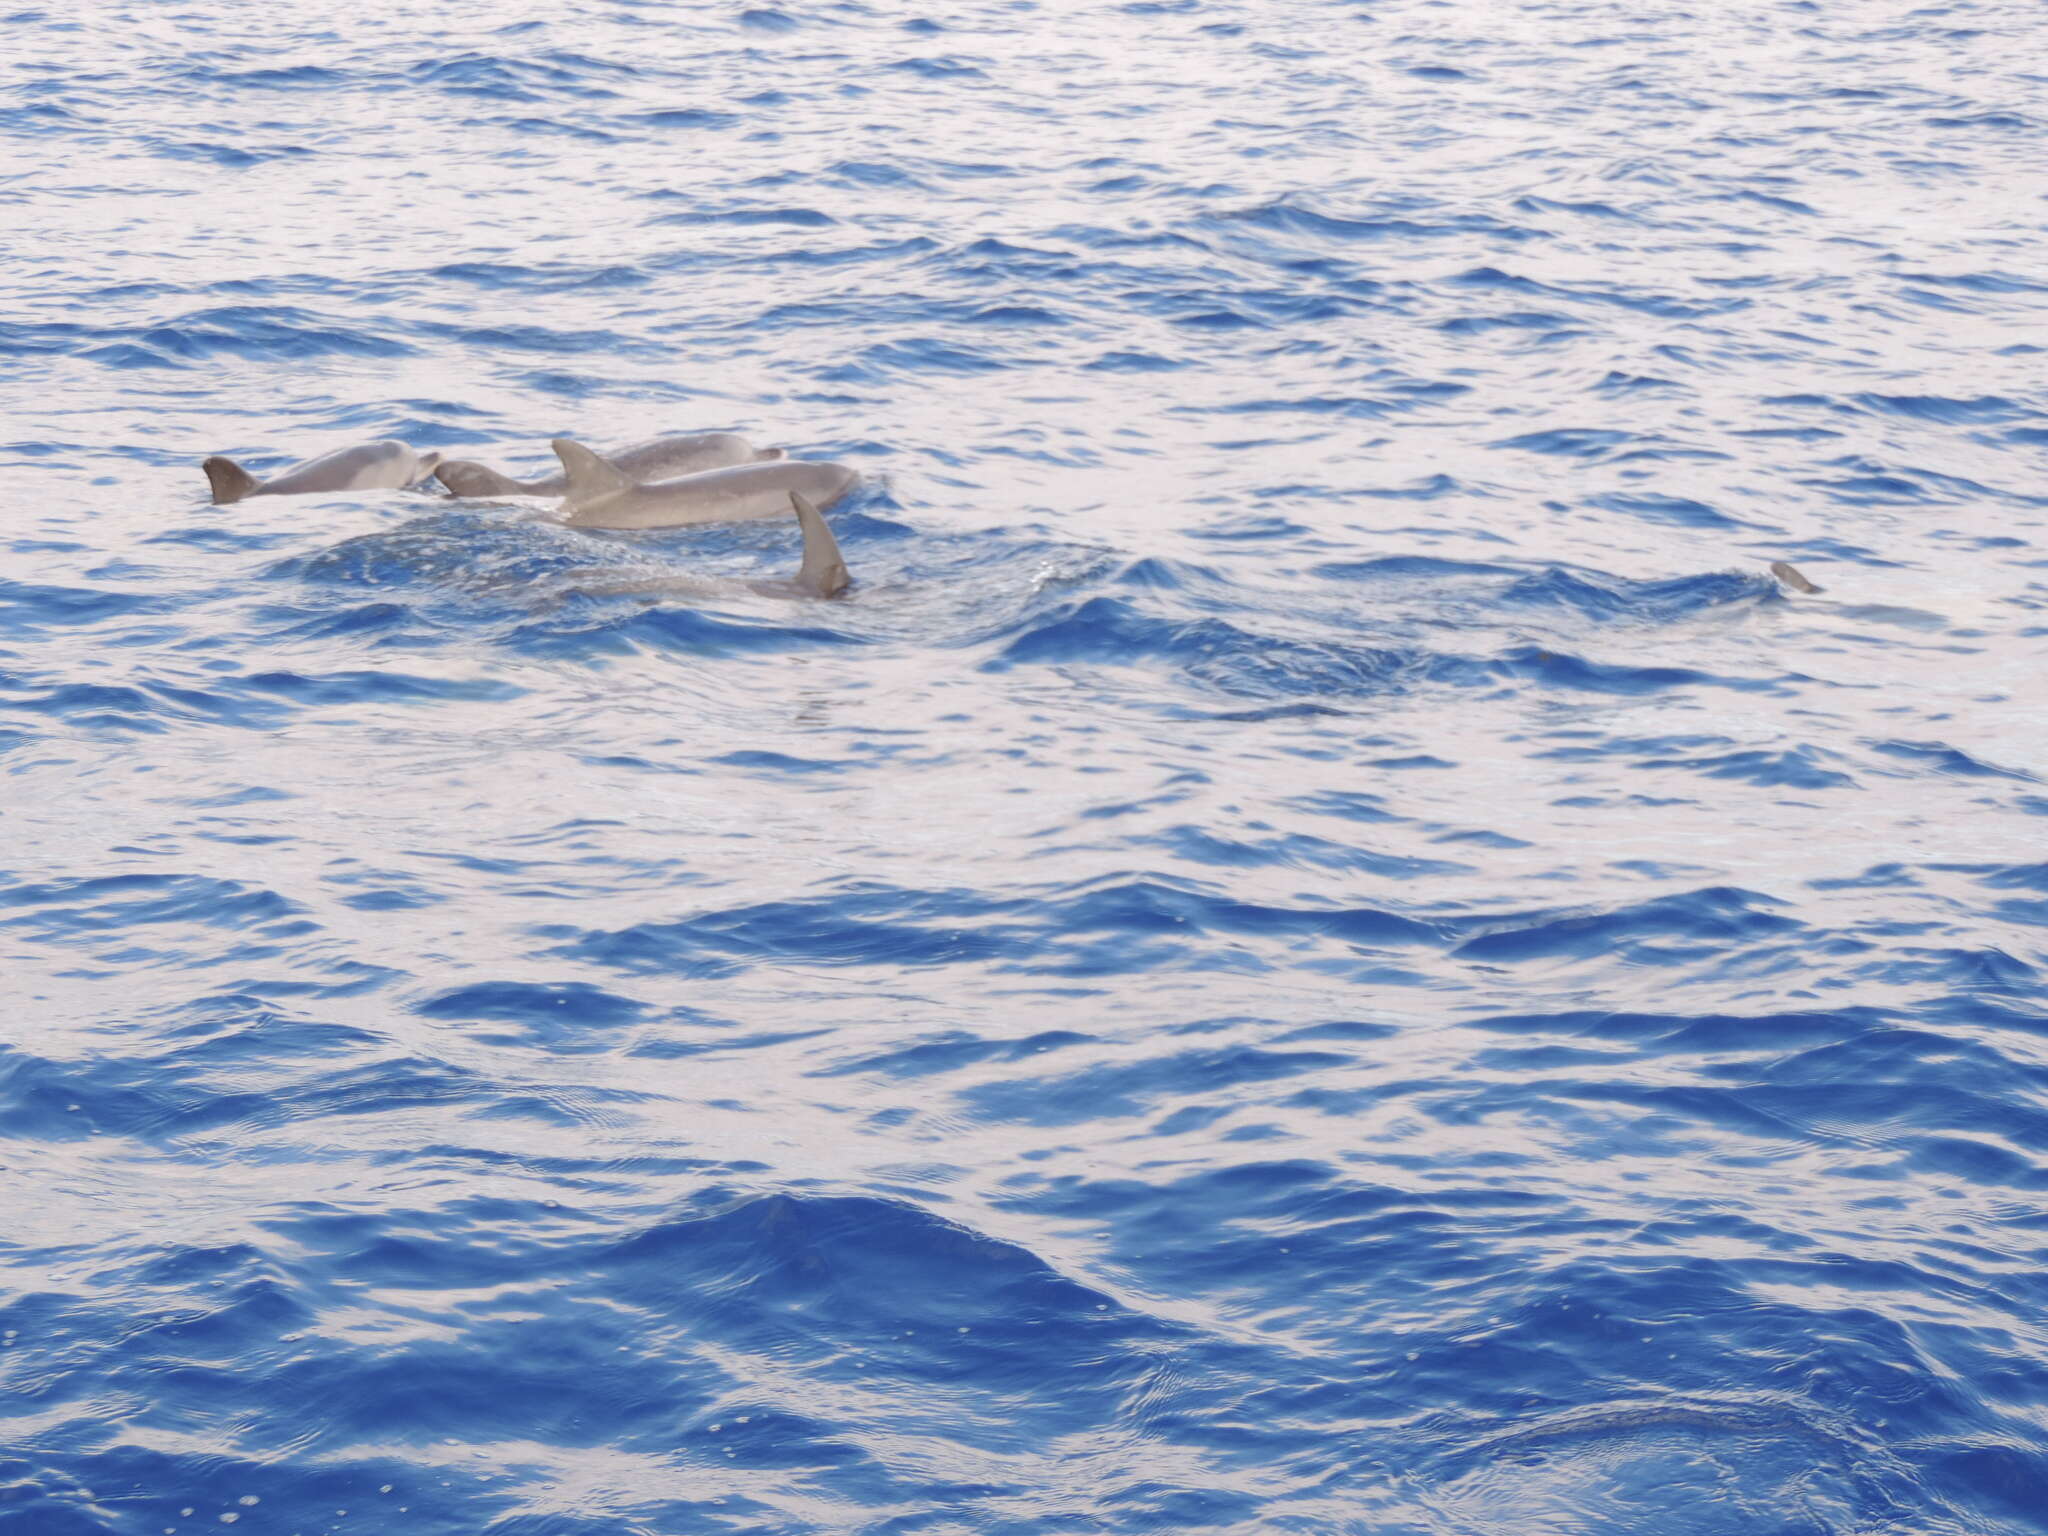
(229, 480)
(1793, 578)
(824, 570)
(590, 478)
(466, 477)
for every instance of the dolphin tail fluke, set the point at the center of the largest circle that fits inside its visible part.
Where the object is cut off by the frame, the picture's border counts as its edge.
(590, 477)
(229, 480)
(824, 570)
(1792, 578)
(465, 477)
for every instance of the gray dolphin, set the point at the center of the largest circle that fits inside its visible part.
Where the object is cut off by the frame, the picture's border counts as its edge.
(822, 574)
(659, 458)
(382, 466)
(1792, 577)
(600, 495)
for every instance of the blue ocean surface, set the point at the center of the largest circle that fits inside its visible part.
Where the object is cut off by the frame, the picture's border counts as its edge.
(1315, 947)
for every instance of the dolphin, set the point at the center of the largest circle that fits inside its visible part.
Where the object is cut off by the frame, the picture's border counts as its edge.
(659, 458)
(1792, 577)
(822, 574)
(382, 466)
(600, 495)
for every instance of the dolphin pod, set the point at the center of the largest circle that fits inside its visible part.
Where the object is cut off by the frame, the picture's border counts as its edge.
(388, 465)
(666, 482)
(660, 458)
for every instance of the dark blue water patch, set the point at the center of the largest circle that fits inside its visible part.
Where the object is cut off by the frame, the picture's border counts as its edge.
(193, 1078)
(533, 338)
(1125, 927)
(1135, 362)
(1663, 931)
(570, 1017)
(1557, 669)
(1938, 408)
(1109, 632)
(233, 157)
(1678, 511)
(1396, 402)
(1199, 845)
(940, 67)
(1287, 217)
(1098, 1091)
(691, 118)
(870, 173)
(1941, 758)
(795, 218)
(27, 609)
(80, 907)
(1609, 600)
(265, 333)
(1272, 712)
(377, 687)
(589, 629)
(548, 127)
(952, 1052)
(1592, 209)
(916, 356)
(1661, 305)
(1403, 569)
(300, 77)
(1570, 442)
(146, 709)
(1802, 767)
(1868, 482)
(563, 278)
(521, 79)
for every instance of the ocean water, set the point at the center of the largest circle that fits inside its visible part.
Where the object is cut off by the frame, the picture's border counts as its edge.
(1316, 947)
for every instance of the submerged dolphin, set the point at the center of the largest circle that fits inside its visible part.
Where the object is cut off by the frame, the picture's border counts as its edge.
(383, 466)
(600, 495)
(822, 574)
(659, 458)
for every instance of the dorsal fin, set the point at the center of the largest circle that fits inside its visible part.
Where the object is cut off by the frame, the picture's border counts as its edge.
(465, 477)
(824, 571)
(229, 480)
(590, 477)
(1792, 577)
